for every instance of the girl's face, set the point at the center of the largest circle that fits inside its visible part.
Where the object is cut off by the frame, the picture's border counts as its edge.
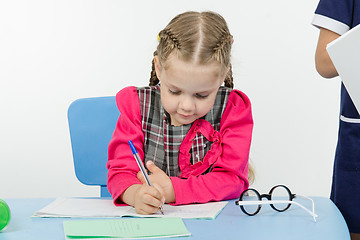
(188, 90)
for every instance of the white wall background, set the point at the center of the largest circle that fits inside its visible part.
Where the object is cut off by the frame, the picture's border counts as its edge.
(55, 51)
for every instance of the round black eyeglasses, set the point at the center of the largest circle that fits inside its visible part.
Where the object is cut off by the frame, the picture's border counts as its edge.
(278, 192)
(280, 199)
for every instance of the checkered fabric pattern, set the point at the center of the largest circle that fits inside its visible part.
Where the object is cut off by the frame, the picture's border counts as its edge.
(162, 141)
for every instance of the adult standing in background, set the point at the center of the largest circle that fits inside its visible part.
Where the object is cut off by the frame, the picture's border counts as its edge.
(334, 18)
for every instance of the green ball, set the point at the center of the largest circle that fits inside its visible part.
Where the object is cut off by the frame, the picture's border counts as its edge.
(4, 214)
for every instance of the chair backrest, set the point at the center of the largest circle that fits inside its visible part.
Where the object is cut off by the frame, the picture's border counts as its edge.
(91, 124)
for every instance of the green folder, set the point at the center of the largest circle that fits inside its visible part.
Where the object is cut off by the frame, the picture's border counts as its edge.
(125, 228)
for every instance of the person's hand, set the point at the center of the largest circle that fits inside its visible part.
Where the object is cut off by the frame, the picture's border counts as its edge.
(148, 199)
(158, 177)
(145, 199)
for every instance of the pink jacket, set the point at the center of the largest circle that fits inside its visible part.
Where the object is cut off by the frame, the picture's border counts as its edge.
(229, 154)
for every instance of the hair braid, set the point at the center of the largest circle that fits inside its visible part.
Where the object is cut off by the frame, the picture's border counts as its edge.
(221, 50)
(229, 81)
(153, 77)
(166, 34)
(227, 38)
(168, 42)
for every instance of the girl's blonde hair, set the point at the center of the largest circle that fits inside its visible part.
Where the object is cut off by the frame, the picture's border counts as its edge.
(198, 37)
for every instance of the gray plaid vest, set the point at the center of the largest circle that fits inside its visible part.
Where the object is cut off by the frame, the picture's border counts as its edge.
(162, 141)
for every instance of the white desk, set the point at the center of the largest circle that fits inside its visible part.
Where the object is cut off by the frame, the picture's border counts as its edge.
(293, 224)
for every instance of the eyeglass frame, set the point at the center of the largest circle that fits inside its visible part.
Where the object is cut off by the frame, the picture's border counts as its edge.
(272, 202)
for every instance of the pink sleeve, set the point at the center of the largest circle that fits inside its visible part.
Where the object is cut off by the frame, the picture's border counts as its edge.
(122, 167)
(229, 175)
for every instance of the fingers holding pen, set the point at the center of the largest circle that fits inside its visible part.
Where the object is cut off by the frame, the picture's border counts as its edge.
(159, 177)
(148, 199)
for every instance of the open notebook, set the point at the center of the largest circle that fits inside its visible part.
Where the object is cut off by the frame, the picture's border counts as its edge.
(102, 207)
(345, 54)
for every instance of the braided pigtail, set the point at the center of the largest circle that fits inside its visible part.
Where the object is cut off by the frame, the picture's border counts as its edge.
(222, 55)
(223, 48)
(153, 77)
(229, 82)
(167, 43)
(169, 39)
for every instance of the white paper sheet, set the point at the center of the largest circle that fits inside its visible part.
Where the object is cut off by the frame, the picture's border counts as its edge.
(89, 208)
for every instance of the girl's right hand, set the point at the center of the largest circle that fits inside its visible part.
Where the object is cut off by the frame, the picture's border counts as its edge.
(146, 199)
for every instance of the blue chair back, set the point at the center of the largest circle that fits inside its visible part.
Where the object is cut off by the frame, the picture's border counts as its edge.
(91, 124)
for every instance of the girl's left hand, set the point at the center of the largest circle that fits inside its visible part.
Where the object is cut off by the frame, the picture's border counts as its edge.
(160, 178)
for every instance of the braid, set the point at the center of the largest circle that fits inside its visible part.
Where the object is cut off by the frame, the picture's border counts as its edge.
(227, 38)
(221, 50)
(229, 82)
(221, 45)
(166, 34)
(168, 41)
(153, 78)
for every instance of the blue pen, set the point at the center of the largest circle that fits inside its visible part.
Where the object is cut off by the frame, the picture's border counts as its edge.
(142, 168)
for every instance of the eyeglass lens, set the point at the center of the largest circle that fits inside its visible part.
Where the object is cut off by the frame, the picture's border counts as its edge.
(280, 192)
(250, 195)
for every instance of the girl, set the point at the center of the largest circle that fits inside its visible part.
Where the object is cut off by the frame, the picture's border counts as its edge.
(193, 133)
(334, 18)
